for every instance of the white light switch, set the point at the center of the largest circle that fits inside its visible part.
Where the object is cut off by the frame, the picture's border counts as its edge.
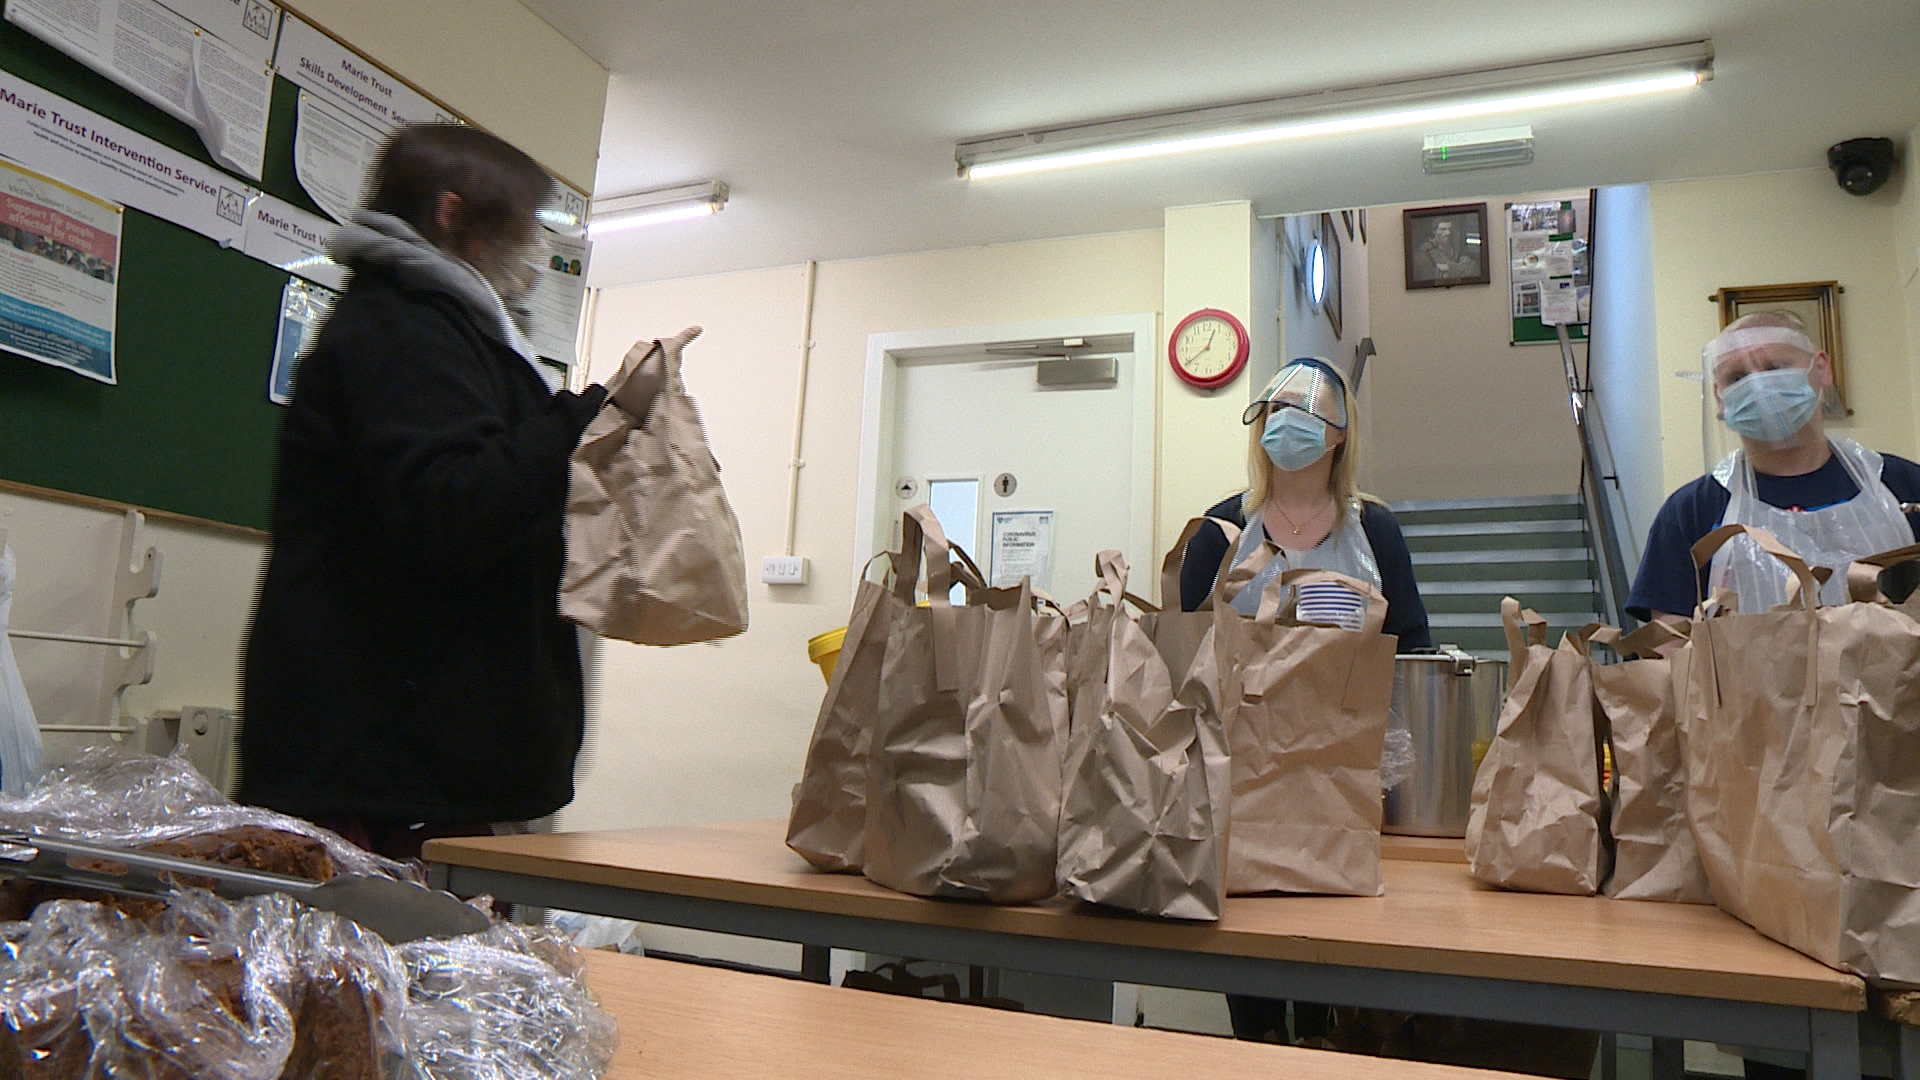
(783, 570)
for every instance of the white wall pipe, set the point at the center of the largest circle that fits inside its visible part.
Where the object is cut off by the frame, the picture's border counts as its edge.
(794, 462)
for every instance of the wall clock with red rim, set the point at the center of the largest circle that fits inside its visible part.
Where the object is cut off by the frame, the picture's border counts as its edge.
(1208, 348)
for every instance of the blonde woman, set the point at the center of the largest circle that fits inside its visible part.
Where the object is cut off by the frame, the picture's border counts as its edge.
(1301, 498)
(1301, 457)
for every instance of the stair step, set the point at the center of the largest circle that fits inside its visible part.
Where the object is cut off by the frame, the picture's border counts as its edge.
(1499, 541)
(1522, 508)
(1464, 572)
(1546, 603)
(1502, 557)
(1478, 587)
(1486, 503)
(1556, 620)
(1494, 528)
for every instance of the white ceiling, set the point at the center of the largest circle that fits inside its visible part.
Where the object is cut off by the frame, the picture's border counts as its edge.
(834, 120)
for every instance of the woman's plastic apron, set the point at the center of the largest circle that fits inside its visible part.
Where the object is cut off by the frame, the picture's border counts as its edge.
(1344, 551)
(1833, 536)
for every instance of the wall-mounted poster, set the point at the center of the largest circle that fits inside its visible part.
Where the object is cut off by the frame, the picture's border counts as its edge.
(304, 308)
(59, 273)
(1550, 275)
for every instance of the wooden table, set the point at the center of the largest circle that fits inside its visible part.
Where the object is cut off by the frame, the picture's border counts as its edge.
(1437, 942)
(684, 1020)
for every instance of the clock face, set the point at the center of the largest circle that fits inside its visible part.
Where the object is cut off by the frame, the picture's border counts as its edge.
(1208, 348)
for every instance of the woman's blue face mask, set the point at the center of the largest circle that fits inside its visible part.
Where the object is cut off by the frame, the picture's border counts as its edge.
(1294, 439)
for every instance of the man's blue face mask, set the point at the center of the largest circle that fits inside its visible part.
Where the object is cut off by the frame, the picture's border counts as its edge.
(1769, 406)
(1294, 438)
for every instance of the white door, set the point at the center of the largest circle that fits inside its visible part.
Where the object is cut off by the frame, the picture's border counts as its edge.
(1063, 469)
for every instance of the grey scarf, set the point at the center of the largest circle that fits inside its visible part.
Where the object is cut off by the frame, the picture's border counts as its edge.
(386, 241)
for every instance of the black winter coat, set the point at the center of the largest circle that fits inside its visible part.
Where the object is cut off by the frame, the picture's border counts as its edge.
(407, 660)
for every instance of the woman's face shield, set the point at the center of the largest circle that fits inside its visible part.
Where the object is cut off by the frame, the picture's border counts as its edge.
(1308, 385)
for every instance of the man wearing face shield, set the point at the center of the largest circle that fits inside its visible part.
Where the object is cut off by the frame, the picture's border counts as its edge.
(1825, 497)
(407, 674)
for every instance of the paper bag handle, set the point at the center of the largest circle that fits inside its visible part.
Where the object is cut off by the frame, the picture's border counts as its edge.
(1270, 608)
(1806, 587)
(1644, 642)
(1863, 574)
(923, 541)
(1177, 556)
(1512, 615)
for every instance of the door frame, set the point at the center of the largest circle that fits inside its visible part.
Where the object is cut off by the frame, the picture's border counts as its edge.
(879, 400)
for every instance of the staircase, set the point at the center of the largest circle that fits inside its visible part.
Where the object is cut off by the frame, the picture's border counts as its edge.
(1468, 553)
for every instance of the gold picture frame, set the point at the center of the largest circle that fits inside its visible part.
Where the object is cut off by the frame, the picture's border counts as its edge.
(1815, 303)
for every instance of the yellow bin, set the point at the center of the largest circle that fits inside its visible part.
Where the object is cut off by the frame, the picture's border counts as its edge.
(824, 649)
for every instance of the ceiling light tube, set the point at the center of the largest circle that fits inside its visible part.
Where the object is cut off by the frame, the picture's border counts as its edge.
(1417, 101)
(655, 207)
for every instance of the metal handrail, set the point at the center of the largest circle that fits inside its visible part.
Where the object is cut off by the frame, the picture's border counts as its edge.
(1599, 486)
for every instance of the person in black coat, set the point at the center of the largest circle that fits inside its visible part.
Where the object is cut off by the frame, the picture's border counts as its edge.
(407, 673)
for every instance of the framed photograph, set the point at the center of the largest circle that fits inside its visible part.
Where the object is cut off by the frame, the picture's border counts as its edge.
(1446, 246)
(1346, 218)
(1362, 215)
(1330, 303)
(1816, 304)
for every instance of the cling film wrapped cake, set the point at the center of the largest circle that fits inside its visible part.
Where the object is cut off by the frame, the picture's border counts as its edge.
(194, 987)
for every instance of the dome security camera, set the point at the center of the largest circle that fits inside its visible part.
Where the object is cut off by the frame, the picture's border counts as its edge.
(1861, 166)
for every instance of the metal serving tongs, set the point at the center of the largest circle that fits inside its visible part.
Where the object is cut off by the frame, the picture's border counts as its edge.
(398, 911)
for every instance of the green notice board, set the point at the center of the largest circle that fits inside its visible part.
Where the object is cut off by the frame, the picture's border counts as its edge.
(189, 427)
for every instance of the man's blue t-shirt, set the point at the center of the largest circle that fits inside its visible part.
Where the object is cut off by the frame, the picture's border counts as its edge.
(1667, 582)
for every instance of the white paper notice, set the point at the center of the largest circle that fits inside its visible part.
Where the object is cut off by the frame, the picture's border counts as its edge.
(303, 309)
(559, 297)
(1559, 302)
(283, 235)
(48, 133)
(1022, 548)
(248, 25)
(164, 59)
(333, 156)
(59, 272)
(326, 67)
(231, 92)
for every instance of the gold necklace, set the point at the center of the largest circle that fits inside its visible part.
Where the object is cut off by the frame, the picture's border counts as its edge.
(1278, 509)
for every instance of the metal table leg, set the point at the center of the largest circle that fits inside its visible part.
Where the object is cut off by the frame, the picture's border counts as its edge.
(1833, 1045)
(1669, 1059)
(816, 963)
(1906, 1053)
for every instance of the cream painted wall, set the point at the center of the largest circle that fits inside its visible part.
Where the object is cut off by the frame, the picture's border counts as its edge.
(1787, 227)
(1906, 259)
(1203, 447)
(718, 732)
(65, 557)
(494, 61)
(1457, 411)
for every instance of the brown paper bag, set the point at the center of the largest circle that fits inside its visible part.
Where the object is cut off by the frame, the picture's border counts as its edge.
(1305, 707)
(1535, 822)
(1654, 854)
(1143, 821)
(828, 825)
(653, 548)
(1803, 788)
(969, 738)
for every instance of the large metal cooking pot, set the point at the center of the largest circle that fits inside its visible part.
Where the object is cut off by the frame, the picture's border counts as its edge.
(1448, 703)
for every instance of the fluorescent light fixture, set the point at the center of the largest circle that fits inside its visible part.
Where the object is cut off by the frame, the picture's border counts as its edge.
(655, 207)
(1417, 101)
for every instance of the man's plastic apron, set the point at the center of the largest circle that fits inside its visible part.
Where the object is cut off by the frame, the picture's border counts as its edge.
(1832, 536)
